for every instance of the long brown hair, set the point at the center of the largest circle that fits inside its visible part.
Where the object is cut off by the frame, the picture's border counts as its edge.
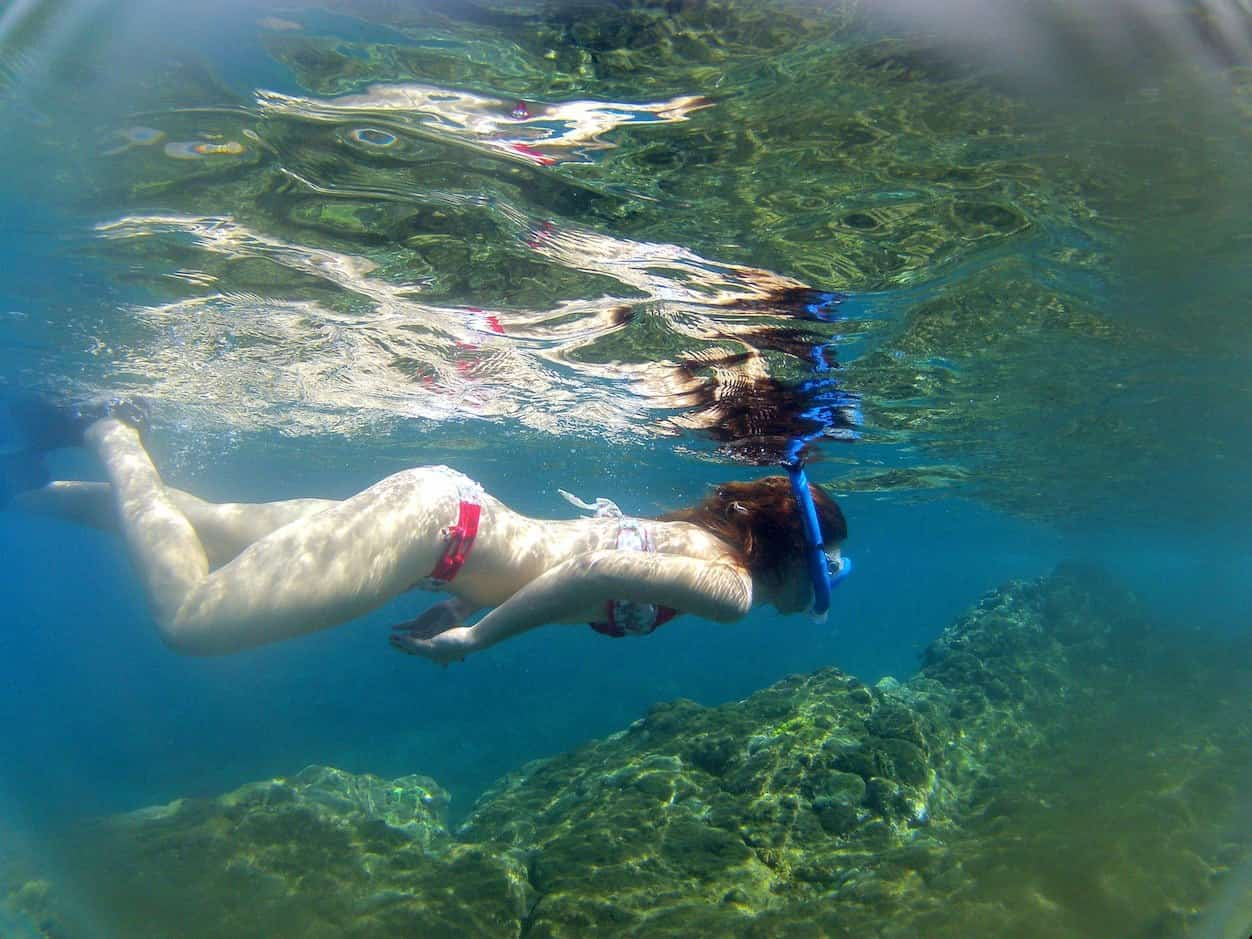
(761, 521)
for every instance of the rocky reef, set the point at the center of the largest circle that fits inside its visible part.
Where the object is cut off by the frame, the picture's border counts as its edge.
(1058, 767)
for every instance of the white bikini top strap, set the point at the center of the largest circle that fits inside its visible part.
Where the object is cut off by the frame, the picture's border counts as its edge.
(601, 508)
(632, 534)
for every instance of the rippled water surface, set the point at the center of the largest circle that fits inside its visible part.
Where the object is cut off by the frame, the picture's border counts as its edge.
(561, 219)
(611, 247)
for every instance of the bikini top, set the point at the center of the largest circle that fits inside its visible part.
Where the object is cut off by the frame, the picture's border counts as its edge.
(625, 617)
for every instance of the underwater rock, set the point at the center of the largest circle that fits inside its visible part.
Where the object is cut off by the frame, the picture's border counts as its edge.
(324, 853)
(902, 804)
(1060, 766)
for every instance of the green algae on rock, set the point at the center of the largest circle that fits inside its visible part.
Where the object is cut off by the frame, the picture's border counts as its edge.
(324, 853)
(1060, 767)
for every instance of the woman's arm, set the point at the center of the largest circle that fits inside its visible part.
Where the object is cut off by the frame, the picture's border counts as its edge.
(709, 589)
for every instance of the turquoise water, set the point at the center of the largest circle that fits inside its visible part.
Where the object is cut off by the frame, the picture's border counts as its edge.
(286, 226)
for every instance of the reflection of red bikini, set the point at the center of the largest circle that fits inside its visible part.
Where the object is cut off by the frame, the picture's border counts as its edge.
(466, 360)
(480, 321)
(621, 617)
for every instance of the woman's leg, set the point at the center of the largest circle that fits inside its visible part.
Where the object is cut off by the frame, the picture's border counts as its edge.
(314, 572)
(224, 528)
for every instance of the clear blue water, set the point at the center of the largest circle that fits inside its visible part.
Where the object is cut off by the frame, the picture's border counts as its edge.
(1133, 452)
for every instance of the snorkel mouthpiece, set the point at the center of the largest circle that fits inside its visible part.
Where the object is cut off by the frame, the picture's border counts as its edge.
(845, 568)
(819, 569)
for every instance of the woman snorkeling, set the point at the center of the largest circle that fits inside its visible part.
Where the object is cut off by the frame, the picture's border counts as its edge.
(221, 578)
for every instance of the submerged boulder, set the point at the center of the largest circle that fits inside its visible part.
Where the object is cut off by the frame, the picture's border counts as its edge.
(322, 853)
(1058, 767)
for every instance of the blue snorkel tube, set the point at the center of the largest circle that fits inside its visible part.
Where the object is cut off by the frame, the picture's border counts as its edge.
(819, 569)
(826, 399)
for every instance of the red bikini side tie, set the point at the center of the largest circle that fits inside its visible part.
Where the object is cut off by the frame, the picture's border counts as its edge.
(460, 542)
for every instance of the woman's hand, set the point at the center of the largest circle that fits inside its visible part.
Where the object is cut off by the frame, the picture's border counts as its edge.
(451, 645)
(439, 618)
